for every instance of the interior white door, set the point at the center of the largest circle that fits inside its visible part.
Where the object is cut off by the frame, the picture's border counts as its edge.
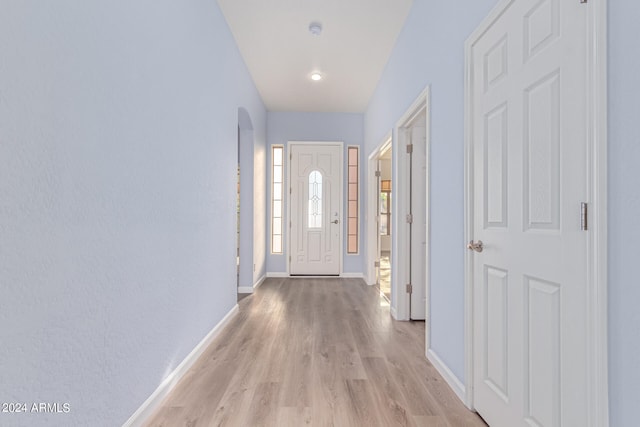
(315, 209)
(378, 221)
(417, 133)
(529, 127)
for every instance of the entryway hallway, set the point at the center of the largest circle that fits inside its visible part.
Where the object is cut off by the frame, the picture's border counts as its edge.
(322, 352)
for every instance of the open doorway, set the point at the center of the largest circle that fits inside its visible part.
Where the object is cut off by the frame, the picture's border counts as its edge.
(244, 204)
(242, 291)
(380, 215)
(384, 214)
(238, 215)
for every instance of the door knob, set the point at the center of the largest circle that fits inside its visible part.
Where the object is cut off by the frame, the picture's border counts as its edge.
(475, 246)
(335, 221)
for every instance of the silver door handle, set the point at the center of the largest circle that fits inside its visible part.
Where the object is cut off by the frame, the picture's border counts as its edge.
(335, 221)
(475, 246)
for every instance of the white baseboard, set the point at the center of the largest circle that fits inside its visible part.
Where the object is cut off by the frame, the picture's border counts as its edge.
(277, 274)
(259, 282)
(352, 275)
(453, 381)
(394, 313)
(156, 398)
(286, 275)
(250, 289)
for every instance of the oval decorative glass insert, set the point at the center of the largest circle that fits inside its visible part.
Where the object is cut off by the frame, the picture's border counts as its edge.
(315, 199)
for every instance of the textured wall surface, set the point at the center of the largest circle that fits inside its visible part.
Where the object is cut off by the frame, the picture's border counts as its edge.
(624, 211)
(346, 127)
(430, 51)
(118, 139)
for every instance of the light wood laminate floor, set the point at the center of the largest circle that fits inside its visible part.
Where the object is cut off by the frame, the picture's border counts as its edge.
(321, 352)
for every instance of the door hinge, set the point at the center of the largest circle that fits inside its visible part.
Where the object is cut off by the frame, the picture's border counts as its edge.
(409, 148)
(409, 219)
(290, 156)
(376, 263)
(378, 174)
(289, 224)
(584, 216)
(409, 288)
(289, 190)
(289, 259)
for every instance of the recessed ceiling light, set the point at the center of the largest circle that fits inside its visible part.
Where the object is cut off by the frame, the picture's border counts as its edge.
(315, 28)
(316, 77)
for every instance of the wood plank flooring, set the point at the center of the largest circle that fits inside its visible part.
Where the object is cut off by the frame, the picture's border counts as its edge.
(321, 352)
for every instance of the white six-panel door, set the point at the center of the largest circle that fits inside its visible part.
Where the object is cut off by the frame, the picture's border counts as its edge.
(529, 130)
(315, 208)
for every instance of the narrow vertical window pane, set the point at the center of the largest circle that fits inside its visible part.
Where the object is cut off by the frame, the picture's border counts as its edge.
(353, 207)
(277, 156)
(353, 191)
(353, 199)
(315, 199)
(353, 156)
(277, 191)
(277, 159)
(353, 244)
(353, 174)
(277, 228)
(277, 244)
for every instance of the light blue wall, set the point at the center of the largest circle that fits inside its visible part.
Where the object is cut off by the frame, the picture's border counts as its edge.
(346, 127)
(118, 130)
(430, 51)
(624, 212)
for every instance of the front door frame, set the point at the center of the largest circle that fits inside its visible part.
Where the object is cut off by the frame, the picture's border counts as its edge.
(598, 407)
(290, 206)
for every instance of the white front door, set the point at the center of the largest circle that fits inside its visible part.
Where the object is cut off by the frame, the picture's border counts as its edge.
(528, 120)
(316, 208)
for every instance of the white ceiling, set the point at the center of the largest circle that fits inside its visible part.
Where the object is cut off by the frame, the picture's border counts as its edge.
(280, 52)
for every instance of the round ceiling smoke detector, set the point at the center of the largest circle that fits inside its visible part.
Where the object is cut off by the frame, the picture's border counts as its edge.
(315, 28)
